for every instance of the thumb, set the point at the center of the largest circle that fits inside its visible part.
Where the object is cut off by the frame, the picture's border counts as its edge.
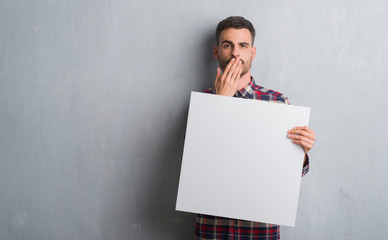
(217, 77)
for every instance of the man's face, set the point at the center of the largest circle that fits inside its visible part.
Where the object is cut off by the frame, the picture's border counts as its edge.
(233, 43)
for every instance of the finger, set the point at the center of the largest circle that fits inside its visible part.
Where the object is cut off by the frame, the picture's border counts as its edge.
(303, 133)
(232, 69)
(307, 146)
(305, 128)
(217, 77)
(237, 78)
(303, 143)
(234, 65)
(230, 64)
(237, 71)
(301, 138)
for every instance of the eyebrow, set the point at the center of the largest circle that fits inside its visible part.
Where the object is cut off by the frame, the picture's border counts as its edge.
(230, 42)
(227, 41)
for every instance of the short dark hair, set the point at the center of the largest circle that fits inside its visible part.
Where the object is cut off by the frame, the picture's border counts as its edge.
(236, 22)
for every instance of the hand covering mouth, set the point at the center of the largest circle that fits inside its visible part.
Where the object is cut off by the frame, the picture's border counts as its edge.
(227, 62)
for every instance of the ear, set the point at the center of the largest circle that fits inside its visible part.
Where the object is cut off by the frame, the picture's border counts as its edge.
(253, 53)
(215, 52)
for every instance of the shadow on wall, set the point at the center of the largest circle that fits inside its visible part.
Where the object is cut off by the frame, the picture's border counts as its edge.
(209, 64)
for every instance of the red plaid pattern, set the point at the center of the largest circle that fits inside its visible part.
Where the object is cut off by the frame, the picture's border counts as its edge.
(219, 228)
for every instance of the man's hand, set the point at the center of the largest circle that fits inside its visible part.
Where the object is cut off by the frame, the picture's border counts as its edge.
(226, 84)
(303, 136)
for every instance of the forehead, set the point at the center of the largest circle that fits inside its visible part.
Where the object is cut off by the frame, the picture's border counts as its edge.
(236, 35)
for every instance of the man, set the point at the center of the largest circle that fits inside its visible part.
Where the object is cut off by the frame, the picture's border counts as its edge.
(235, 52)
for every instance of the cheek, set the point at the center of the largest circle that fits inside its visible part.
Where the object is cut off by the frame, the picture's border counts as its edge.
(224, 53)
(248, 58)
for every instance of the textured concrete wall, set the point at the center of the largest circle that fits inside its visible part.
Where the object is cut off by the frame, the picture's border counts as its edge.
(94, 97)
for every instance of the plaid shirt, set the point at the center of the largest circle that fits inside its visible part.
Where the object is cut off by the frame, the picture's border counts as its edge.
(211, 227)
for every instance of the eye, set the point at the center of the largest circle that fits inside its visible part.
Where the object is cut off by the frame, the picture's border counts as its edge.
(244, 45)
(226, 45)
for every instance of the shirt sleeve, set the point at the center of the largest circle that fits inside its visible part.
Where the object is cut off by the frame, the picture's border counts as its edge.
(306, 166)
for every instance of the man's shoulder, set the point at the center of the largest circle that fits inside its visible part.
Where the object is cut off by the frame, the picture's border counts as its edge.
(263, 93)
(271, 95)
(262, 90)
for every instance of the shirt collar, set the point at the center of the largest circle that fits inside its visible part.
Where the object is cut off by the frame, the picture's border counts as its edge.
(248, 90)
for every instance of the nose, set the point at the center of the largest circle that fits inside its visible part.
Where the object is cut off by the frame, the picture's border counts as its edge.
(235, 52)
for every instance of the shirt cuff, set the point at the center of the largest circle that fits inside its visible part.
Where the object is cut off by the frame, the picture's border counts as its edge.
(306, 166)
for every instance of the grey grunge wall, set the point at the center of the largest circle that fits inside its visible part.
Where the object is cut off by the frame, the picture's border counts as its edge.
(93, 109)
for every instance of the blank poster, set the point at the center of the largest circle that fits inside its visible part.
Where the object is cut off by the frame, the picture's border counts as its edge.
(238, 161)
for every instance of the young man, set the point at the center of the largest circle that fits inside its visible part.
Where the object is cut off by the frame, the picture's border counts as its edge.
(235, 52)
